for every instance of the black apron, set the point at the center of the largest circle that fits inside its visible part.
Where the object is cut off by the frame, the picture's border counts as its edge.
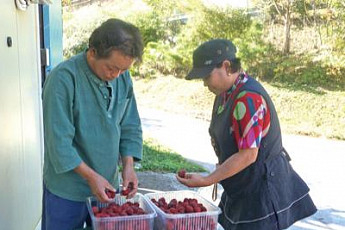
(268, 194)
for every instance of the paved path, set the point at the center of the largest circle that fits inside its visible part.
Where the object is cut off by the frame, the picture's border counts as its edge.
(320, 162)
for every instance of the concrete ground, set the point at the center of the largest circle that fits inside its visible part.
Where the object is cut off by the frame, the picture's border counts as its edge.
(320, 162)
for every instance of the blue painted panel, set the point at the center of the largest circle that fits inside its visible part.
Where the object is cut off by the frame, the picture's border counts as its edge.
(52, 27)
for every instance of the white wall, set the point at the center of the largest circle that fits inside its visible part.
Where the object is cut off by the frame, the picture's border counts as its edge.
(20, 119)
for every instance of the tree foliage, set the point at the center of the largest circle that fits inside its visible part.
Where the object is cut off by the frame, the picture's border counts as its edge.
(313, 40)
(326, 17)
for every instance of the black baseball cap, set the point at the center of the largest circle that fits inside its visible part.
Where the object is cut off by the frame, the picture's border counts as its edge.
(208, 55)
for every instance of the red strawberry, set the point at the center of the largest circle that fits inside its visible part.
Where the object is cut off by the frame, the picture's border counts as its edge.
(129, 211)
(189, 209)
(110, 194)
(125, 192)
(182, 173)
(197, 209)
(128, 190)
(95, 209)
(173, 210)
(100, 215)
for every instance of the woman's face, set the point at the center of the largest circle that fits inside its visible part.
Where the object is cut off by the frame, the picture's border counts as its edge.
(217, 81)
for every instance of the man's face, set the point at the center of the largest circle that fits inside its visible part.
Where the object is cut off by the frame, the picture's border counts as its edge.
(107, 69)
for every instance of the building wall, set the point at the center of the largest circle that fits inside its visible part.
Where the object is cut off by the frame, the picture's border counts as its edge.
(20, 118)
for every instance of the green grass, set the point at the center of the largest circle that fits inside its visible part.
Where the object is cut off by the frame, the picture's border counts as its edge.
(157, 158)
(310, 113)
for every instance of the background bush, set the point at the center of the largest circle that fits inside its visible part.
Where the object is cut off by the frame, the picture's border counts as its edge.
(172, 30)
(307, 85)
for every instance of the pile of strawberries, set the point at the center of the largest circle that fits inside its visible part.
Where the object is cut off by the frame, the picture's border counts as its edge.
(188, 205)
(116, 210)
(174, 207)
(126, 209)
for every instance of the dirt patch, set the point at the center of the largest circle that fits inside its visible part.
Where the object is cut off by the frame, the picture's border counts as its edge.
(155, 182)
(160, 182)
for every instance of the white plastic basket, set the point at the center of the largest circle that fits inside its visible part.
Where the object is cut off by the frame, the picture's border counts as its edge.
(192, 221)
(137, 222)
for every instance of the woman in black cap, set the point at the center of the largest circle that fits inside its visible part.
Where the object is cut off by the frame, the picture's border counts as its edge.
(261, 189)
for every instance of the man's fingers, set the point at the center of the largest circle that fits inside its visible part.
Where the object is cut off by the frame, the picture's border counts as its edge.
(132, 192)
(110, 187)
(103, 197)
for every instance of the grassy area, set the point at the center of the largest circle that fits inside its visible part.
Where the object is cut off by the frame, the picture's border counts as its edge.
(157, 158)
(174, 95)
(314, 106)
(318, 113)
(313, 112)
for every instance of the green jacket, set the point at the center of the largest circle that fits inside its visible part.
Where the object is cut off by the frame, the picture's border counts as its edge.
(86, 119)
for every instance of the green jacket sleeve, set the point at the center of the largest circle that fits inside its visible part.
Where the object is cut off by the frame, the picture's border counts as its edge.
(58, 94)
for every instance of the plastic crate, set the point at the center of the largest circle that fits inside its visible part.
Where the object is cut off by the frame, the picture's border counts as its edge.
(187, 221)
(137, 222)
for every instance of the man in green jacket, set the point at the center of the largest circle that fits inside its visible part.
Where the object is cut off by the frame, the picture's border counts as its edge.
(90, 122)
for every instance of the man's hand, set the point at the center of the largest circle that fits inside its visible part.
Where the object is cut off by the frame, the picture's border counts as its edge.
(129, 175)
(97, 183)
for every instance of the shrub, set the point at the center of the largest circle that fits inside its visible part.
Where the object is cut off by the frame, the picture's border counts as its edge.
(203, 24)
(161, 59)
(151, 26)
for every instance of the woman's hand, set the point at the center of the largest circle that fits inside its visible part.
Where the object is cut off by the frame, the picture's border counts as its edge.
(193, 180)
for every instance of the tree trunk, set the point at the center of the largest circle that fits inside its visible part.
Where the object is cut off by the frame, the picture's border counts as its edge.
(315, 24)
(287, 28)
